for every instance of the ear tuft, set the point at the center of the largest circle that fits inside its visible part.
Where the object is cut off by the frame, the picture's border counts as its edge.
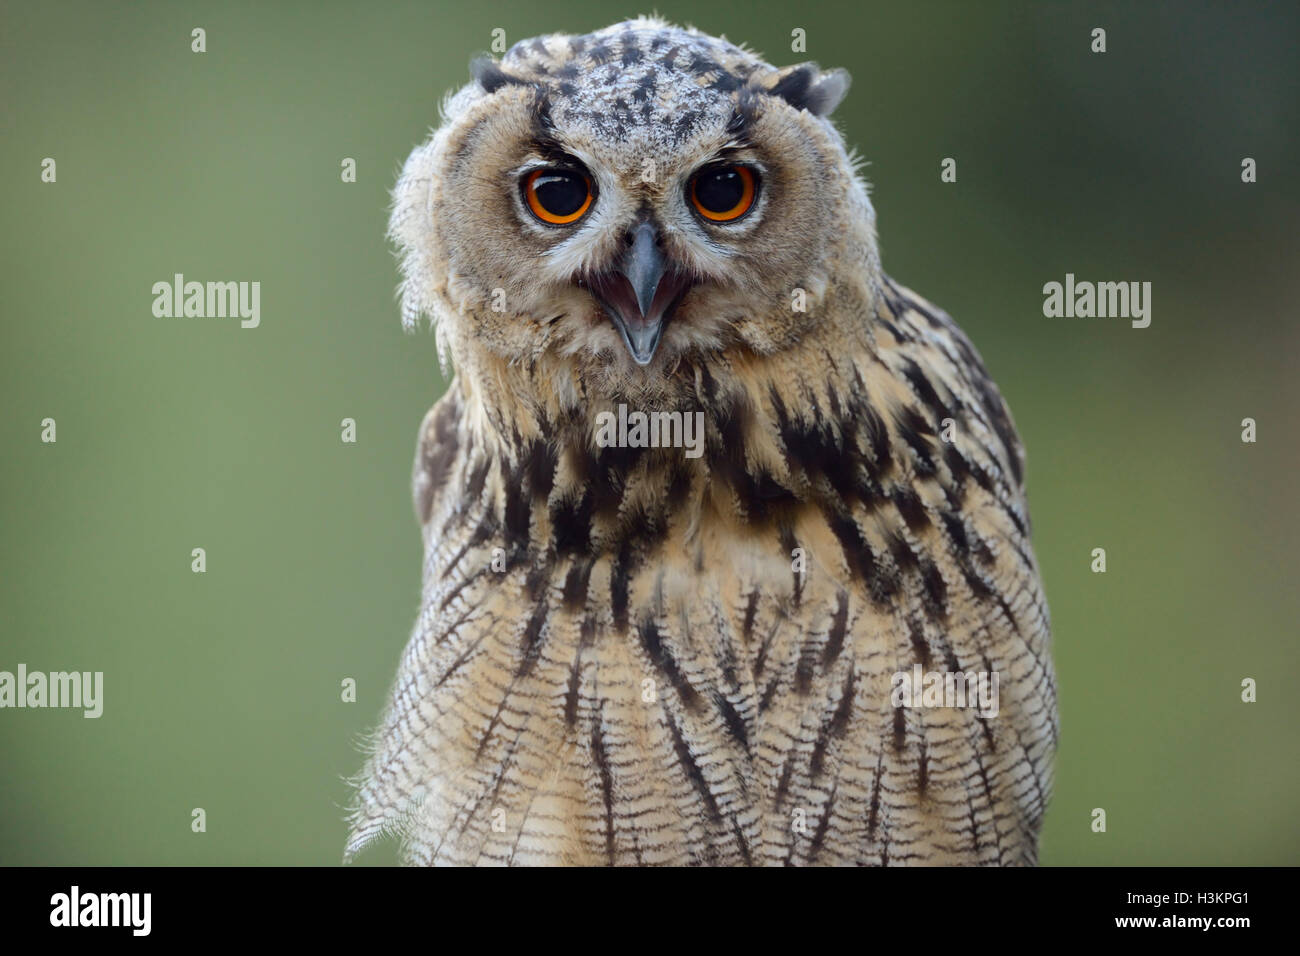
(488, 74)
(806, 87)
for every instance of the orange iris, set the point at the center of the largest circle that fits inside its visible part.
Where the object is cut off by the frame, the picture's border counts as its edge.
(557, 196)
(724, 193)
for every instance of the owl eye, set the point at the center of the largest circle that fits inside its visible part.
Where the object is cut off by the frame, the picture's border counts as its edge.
(557, 196)
(724, 193)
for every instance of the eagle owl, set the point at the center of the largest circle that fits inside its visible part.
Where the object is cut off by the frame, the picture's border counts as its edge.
(634, 651)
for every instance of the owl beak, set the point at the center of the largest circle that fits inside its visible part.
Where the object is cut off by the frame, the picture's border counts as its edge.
(644, 265)
(641, 293)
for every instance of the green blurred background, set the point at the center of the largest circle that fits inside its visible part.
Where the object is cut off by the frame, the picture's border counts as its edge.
(223, 689)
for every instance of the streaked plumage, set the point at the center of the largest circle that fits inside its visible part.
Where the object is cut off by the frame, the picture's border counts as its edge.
(642, 675)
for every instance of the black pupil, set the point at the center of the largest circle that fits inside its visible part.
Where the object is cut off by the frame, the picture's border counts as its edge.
(560, 194)
(720, 190)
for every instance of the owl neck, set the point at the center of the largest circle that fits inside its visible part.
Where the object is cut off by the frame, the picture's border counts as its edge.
(581, 461)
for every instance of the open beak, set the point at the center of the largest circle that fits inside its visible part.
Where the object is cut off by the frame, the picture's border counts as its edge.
(641, 293)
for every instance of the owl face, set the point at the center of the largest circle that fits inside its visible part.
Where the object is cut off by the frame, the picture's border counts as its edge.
(629, 197)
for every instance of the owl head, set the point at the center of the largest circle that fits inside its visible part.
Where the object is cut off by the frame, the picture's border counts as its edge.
(625, 199)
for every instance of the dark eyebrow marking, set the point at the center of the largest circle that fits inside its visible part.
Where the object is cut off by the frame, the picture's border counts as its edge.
(545, 139)
(543, 121)
(738, 128)
(743, 116)
(555, 154)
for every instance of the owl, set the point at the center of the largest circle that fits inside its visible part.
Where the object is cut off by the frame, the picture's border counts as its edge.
(726, 551)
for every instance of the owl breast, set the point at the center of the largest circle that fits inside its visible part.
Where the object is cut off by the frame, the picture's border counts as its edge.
(632, 656)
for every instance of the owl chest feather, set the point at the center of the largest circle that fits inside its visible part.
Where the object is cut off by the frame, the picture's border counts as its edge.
(631, 656)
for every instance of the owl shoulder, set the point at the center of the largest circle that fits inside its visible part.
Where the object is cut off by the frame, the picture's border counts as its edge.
(949, 377)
